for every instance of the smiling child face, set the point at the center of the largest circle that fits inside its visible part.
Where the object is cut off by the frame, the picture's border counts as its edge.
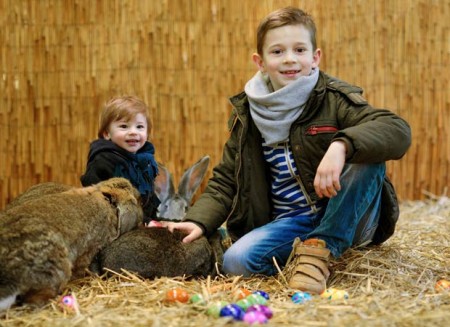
(130, 134)
(287, 54)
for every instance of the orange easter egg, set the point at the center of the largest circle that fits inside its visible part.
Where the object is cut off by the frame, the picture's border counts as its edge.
(177, 295)
(442, 285)
(241, 293)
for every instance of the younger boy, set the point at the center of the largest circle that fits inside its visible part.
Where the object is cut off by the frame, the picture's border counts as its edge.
(122, 150)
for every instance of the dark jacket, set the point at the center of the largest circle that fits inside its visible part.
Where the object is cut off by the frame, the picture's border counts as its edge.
(239, 191)
(107, 160)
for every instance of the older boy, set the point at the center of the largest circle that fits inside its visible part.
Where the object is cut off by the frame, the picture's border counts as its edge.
(304, 166)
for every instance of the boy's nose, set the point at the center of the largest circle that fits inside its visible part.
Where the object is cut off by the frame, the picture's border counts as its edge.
(289, 58)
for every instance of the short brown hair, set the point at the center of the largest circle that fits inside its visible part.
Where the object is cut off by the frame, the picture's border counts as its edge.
(121, 107)
(282, 17)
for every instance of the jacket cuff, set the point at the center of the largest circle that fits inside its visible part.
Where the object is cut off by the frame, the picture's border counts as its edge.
(348, 144)
(204, 230)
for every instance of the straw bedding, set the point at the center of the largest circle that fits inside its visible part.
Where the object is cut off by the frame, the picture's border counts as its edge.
(389, 285)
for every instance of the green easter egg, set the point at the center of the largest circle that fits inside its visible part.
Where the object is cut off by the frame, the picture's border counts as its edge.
(214, 308)
(256, 299)
(197, 299)
(244, 304)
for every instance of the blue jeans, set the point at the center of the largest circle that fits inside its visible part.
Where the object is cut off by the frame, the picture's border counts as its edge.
(348, 219)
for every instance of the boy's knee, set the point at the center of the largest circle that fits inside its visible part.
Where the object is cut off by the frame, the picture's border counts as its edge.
(234, 263)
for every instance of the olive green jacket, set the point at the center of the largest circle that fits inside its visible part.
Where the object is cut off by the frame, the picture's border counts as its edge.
(239, 191)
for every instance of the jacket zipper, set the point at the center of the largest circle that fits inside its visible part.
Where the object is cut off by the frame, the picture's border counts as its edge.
(235, 199)
(297, 178)
(314, 130)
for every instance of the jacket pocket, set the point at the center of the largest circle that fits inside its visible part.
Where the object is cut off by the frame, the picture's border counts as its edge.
(314, 130)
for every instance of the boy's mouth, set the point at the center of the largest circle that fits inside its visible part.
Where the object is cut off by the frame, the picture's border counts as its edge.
(290, 72)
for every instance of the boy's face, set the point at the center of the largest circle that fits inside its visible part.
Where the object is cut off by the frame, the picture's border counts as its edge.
(130, 135)
(287, 55)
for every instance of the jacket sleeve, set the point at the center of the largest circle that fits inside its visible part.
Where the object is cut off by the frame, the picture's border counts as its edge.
(214, 205)
(372, 135)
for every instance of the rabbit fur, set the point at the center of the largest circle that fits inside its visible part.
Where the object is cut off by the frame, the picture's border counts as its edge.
(155, 252)
(50, 234)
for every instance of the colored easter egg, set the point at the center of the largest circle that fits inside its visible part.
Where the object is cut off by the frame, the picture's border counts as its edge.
(197, 299)
(442, 285)
(214, 308)
(177, 295)
(232, 310)
(241, 293)
(328, 293)
(68, 302)
(301, 297)
(262, 293)
(256, 299)
(244, 303)
(261, 308)
(255, 317)
(340, 294)
(334, 294)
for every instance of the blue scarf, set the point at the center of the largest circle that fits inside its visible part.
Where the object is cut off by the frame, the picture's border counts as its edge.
(141, 170)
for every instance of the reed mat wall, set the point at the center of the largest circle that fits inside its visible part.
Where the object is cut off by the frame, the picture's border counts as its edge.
(61, 60)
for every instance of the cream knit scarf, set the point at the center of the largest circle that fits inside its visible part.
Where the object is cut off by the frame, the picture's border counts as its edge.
(274, 111)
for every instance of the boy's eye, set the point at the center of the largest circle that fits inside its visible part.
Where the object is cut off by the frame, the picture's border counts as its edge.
(140, 126)
(123, 125)
(276, 51)
(300, 50)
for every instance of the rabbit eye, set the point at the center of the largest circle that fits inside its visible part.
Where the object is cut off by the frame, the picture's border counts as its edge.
(108, 197)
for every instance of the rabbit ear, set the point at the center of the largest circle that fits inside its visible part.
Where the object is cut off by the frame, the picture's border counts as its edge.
(164, 184)
(192, 178)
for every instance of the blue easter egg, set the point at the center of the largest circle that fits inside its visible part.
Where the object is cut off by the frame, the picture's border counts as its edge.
(301, 297)
(232, 310)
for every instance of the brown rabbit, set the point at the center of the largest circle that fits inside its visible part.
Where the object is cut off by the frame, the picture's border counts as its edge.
(155, 252)
(48, 238)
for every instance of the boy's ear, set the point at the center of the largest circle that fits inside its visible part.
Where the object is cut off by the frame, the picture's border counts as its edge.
(317, 56)
(259, 62)
(106, 135)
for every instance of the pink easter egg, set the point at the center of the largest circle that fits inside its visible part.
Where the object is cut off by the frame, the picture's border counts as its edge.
(255, 317)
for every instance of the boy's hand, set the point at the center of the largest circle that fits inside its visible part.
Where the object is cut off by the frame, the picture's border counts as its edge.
(193, 230)
(326, 182)
(154, 223)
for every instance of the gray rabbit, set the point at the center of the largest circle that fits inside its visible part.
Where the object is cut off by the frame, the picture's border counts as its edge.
(175, 204)
(155, 252)
(50, 234)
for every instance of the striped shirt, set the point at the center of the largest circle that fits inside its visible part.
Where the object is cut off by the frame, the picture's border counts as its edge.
(287, 195)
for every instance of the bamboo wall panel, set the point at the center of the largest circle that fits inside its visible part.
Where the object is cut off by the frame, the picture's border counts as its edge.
(60, 60)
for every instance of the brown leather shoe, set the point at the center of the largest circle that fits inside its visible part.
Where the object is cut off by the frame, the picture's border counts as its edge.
(309, 270)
